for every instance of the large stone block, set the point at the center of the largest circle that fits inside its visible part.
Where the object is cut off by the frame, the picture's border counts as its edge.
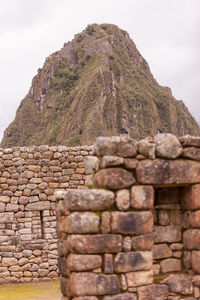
(190, 197)
(170, 172)
(170, 265)
(194, 219)
(133, 261)
(88, 200)
(7, 217)
(139, 278)
(142, 197)
(179, 284)
(78, 262)
(142, 242)
(90, 284)
(167, 146)
(167, 234)
(192, 153)
(191, 239)
(113, 178)
(188, 140)
(100, 243)
(153, 292)
(82, 222)
(161, 251)
(132, 222)
(115, 145)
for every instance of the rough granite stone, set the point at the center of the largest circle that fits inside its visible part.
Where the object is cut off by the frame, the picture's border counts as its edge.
(139, 278)
(126, 296)
(133, 261)
(78, 262)
(191, 239)
(153, 292)
(190, 197)
(179, 284)
(161, 251)
(123, 199)
(167, 146)
(82, 222)
(142, 242)
(142, 197)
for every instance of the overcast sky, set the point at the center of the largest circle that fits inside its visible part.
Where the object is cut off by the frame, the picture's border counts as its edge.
(166, 32)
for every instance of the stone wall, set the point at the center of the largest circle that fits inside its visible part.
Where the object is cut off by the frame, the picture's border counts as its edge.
(28, 179)
(135, 234)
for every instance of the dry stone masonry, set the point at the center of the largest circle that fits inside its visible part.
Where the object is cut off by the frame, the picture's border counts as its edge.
(135, 233)
(28, 179)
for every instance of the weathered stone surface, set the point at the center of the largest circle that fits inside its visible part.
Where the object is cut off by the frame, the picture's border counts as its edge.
(142, 197)
(170, 265)
(132, 222)
(113, 178)
(105, 222)
(190, 197)
(88, 199)
(139, 278)
(38, 205)
(147, 148)
(142, 242)
(91, 164)
(9, 261)
(82, 222)
(191, 239)
(170, 172)
(7, 217)
(167, 234)
(161, 251)
(126, 296)
(153, 292)
(84, 298)
(194, 219)
(89, 284)
(78, 262)
(195, 260)
(167, 146)
(2, 207)
(188, 140)
(127, 243)
(130, 163)
(100, 243)
(179, 284)
(115, 145)
(123, 199)
(133, 261)
(111, 161)
(192, 153)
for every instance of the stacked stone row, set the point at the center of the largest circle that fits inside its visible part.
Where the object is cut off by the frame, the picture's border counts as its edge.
(28, 179)
(106, 236)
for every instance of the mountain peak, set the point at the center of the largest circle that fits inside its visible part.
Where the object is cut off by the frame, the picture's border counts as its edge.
(97, 84)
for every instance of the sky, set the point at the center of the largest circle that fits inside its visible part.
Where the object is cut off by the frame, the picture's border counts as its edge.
(166, 32)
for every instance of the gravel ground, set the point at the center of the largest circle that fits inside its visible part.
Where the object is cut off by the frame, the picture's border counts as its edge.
(31, 291)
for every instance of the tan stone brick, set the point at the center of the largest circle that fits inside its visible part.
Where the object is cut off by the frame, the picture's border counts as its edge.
(82, 222)
(79, 262)
(135, 279)
(142, 197)
(133, 261)
(190, 197)
(154, 291)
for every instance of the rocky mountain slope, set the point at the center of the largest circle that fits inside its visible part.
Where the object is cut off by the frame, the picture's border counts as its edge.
(97, 84)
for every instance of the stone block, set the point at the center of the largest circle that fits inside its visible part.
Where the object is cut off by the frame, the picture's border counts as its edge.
(191, 239)
(78, 262)
(105, 222)
(135, 279)
(127, 243)
(111, 161)
(115, 145)
(125, 296)
(113, 179)
(153, 292)
(191, 153)
(142, 242)
(40, 205)
(132, 222)
(161, 251)
(170, 172)
(188, 140)
(167, 146)
(81, 222)
(130, 163)
(2, 207)
(142, 197)
(108, 264)
(133, 261)
(99, 243)
(88, 200)
(82, 284)
(7, 217)
(123, 199)
(9, 261)
(195, 261)
(170, 265)
(84, 298)
(167, 234)
(194, 219)
(179, 284)
(190, 197)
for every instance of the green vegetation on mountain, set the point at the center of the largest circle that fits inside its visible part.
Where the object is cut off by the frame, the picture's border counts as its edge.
(97, 84)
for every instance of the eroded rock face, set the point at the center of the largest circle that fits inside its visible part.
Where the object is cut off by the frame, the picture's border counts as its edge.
(179, 284)
(153, 292)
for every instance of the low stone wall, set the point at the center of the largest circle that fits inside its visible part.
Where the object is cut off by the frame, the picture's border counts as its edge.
(28, 179)
(135, 233)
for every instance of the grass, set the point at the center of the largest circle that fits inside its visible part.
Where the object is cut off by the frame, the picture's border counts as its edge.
(49, 290)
